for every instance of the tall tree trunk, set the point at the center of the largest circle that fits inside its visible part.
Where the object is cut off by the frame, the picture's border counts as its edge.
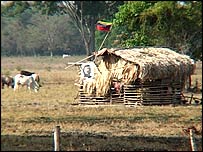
(92, 36)
(51, 54)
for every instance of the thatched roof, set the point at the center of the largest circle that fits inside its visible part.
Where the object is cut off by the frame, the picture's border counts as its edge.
(149, 63)
(154, 63)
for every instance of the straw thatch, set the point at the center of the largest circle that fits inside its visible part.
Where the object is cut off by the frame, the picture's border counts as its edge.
(127, 65)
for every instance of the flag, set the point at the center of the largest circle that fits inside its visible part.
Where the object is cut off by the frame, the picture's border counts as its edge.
(103, 26)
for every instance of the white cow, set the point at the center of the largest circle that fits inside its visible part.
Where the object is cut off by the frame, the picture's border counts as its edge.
(65, 55)
(28, 81)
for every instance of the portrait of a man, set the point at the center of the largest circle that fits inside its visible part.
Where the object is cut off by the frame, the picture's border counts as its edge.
(87, 71)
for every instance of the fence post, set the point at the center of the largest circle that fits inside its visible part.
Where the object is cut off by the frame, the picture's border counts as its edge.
(197, 86)
(191, 99)
(57, 138)
(192, 140)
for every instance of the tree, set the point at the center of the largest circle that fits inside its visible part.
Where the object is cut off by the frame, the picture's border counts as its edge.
(162, 23)
(31, 31)
(85, 14)
(46, 9)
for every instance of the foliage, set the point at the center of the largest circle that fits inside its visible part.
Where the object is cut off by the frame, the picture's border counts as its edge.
(85, 18)
(13, 8)
(46, 7)
(162, 23)
(56, 27)
(33, 33)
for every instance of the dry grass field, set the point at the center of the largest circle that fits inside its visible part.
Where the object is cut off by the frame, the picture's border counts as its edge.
(28, 118)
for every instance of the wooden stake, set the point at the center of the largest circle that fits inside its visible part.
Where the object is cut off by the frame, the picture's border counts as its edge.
(191, 98)
(57, 139)
(192, 140)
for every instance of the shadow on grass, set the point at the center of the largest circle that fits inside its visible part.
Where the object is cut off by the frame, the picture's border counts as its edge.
(96, 142)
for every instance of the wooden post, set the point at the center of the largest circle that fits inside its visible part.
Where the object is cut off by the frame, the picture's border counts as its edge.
(192, 141)
(197, 86)
(57, 138)
(103, 41)
(92, 54)
(190, 82)
(191, 98)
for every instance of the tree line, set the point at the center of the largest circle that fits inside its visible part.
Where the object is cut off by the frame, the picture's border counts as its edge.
(31, 28)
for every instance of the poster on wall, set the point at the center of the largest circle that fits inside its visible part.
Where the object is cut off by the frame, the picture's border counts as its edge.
(87, 70)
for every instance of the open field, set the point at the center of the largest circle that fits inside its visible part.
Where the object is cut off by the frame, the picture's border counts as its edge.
(28, 118)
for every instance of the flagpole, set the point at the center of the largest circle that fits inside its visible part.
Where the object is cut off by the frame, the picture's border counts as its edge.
(92, 54)
(103, 41)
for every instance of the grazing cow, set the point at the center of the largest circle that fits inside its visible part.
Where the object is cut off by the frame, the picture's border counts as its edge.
(27, 73)
(35, 76)
(24, 80)
(7, 80)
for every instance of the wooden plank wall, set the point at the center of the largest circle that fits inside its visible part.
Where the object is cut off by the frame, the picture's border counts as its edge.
(84, 98)
(149, 94)
(145, 94)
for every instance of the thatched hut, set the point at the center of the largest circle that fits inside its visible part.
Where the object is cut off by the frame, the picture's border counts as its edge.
(145, 75)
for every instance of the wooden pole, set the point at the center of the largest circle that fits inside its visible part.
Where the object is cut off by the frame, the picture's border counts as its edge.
(104, 40)
(92, 54)
(57, 138)
(192, 141)
(191, 99)
(79, 61)
(197, 86)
